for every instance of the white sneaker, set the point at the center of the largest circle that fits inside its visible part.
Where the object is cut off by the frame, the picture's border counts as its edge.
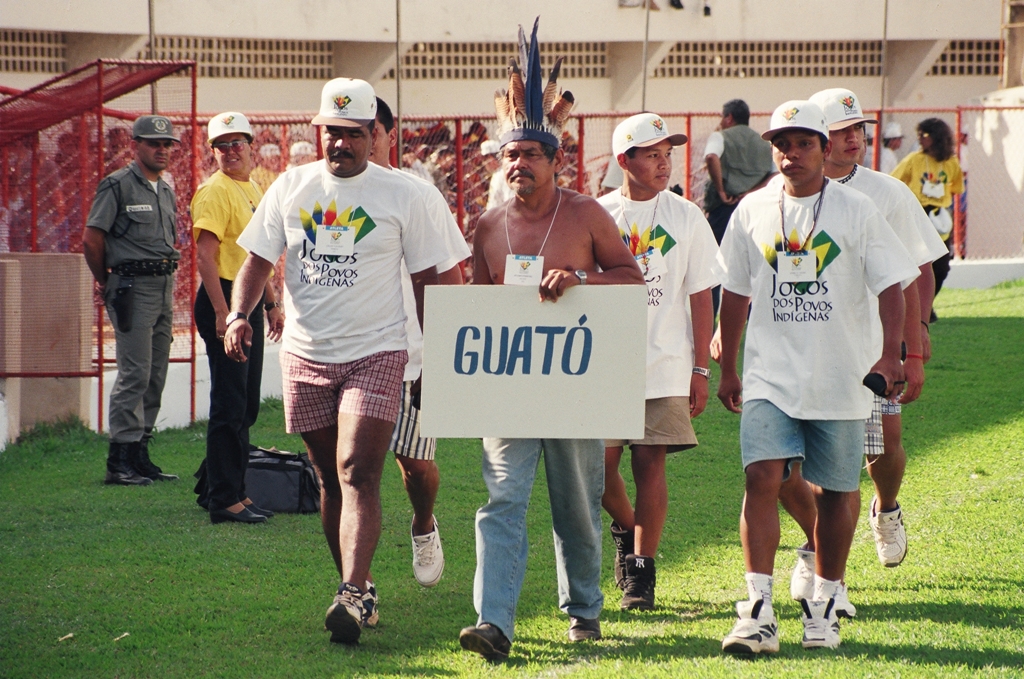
(890, 535)
(821, 626)
(844, 609)
(801, 585)
(427, 557)
(755, 632)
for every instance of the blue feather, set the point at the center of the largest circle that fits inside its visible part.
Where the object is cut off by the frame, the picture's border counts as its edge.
(534, 84)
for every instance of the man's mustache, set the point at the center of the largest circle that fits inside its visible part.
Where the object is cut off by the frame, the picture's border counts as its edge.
(521, 173)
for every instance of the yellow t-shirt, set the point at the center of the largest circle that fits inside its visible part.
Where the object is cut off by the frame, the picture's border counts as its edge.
(224, 207)
(919, 169)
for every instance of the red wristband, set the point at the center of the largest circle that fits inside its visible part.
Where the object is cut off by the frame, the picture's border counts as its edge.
(915, 356)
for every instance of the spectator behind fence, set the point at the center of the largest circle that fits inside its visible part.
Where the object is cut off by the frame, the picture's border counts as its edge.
(300, 153)
(221, 209)
(346, 225)
(129, 246)
(266, 170)
(738, 162)
(933, 174)
(499, 192)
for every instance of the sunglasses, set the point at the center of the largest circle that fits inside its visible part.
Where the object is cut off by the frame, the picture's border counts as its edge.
(225, 146)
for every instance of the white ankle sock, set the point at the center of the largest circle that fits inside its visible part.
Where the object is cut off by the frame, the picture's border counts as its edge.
(825, 589)
(759, 586)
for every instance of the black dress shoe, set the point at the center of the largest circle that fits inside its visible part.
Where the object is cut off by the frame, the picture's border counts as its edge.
(584, 629)
(259, 510)
(487, 640)
(244, 516)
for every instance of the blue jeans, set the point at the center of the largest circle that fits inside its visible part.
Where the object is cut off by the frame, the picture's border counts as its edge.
(575, 476)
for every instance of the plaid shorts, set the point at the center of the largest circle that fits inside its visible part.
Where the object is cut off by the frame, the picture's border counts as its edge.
(406, 440)
(874, 442)
(315, 393)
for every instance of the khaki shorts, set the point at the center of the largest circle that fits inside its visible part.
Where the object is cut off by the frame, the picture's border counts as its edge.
(666, 423)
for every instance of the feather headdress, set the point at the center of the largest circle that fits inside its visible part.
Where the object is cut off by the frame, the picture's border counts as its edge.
(529, 110)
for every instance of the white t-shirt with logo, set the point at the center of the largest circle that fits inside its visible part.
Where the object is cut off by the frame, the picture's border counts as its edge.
(676, 251)
(458, 251)
(805, 342)
(339, 308)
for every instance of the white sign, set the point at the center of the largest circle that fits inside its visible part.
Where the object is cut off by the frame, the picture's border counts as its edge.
(498, 362)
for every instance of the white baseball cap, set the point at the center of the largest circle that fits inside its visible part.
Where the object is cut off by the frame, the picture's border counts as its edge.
(229, 122)
(489, 147)
(797, 114)
(892, 130)
(841, 108)
(643, 129)
(347, 102)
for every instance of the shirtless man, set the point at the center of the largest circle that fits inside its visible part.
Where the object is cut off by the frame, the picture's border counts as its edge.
(574, 235)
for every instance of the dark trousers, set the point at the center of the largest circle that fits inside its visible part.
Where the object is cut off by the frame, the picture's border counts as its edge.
(940, 267)
(719, 219)
(234, 405)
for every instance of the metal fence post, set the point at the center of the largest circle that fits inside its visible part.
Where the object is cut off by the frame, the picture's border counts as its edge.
(34, 194)
(460, 180)
(580, 164)
(688, 162)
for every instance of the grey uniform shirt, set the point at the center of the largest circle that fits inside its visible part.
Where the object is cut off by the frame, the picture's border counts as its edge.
(139, 223)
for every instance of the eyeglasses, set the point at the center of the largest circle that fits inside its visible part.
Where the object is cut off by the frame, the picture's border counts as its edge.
(225, 146)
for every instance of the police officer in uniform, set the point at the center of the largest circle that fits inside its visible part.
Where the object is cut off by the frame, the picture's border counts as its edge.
(129, 247)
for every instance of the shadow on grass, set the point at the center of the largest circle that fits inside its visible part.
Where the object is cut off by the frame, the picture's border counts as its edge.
(977, 615)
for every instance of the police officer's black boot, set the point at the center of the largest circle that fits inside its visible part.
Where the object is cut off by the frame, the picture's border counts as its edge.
(143, 466)
(119, 467)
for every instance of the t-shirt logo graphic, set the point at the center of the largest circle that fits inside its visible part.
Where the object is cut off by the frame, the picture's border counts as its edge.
(227, 120)
(341, 101)
(640, 243)
(849, 105)
(790, 113)
(354, 217)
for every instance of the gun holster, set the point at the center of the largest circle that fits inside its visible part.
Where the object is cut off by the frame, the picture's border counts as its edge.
(122, 303)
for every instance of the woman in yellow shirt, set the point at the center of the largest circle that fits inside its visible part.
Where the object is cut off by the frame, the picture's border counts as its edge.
(933, 174)
(221, 209)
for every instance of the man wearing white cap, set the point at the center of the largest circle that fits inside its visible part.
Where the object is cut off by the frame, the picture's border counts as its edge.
(899, 207)
(806, 256)
(892, 140)
(675, 249)
(345, 225)
(221, 209)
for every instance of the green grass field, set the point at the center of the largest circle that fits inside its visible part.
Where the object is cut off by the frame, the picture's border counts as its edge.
(195, 600)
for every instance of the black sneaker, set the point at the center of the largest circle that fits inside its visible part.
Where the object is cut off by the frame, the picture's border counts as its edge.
(487, 640)
(584, 629)
(640, 579)
(623, 540)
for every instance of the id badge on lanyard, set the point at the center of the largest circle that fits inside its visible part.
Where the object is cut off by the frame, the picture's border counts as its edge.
(798, 267)
(524, 270)
(336, 240)
(652, 263)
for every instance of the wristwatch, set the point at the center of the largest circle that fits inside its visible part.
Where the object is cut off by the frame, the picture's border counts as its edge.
(582, 275)
(271, 305)
(232, 317)
(702, 371)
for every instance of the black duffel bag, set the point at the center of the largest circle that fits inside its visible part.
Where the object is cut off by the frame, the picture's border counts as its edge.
(281, 481)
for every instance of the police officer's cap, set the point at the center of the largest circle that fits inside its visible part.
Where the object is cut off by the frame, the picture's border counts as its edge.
(153, 127)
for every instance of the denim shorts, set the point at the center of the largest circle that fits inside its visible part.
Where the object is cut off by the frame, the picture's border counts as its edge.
(831, 450)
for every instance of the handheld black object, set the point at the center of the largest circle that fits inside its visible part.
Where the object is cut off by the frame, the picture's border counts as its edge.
(876, 383)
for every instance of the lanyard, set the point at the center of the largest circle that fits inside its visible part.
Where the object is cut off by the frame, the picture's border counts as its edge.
(509, 240)
(654, 217)
(247, 199)
(814, 223)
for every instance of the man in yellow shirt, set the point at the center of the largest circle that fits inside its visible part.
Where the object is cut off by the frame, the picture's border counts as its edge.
(221, 209)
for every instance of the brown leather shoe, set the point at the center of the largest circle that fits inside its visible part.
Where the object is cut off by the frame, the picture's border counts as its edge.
(487, 640)
(584, 629)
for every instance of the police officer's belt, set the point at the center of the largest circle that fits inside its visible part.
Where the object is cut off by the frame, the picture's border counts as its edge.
(146, 267)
